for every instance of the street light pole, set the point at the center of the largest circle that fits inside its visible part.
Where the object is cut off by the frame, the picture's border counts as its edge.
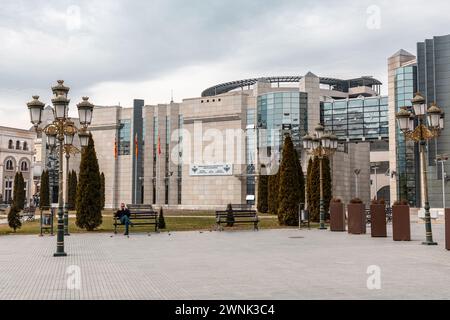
(62, 131)
(60, 230)
(66, 207)
(357, 172)
(322, 145)
(421, 134)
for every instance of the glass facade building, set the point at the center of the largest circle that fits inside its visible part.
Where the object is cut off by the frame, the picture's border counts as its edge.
(277, 113)
(357, 119)
(282, 112)
(407, 151)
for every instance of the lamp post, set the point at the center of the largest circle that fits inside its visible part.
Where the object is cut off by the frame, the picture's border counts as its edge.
(69, 148)
(420, 131)
(321, 145)
(61, 132)
(375, 167)
(357, 172)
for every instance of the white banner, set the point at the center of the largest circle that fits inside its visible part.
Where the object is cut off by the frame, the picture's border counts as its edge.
(211, 170)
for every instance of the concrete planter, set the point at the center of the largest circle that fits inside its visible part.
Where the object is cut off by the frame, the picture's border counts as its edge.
(356, 218)
(378, 220)
(401, 225)
(447, 229)
(337, 216)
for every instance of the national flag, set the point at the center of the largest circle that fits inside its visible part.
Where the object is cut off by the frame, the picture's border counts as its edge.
(159, 145)
(116, 151)
(136, 145)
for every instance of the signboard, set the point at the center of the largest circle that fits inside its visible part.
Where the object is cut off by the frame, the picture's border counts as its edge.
(211, 170)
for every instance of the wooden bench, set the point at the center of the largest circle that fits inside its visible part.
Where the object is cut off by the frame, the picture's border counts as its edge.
(239, 216)
(139, 218)
(28, 214)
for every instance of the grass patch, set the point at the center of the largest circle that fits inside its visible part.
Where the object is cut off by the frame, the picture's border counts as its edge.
(173, 224)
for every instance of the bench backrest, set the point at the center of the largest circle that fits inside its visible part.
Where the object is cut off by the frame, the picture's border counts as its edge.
(143, 214)
(241, 206)
(138, 207)
(236, 214)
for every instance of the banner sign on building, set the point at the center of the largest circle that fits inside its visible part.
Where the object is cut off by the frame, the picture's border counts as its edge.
(211, 170)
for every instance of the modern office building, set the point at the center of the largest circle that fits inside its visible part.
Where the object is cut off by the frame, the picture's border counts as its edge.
(202, 152)
(429, 74)
(16, 155)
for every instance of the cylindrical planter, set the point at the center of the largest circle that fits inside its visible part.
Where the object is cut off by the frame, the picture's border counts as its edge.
(447, 229)
(401, 226)
(337, 216)
(378, 220)
(356, 218)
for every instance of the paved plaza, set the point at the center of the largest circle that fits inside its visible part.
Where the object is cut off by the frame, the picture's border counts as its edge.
(269, 264)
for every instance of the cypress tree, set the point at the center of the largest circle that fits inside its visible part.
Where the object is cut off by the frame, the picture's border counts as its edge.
(73, 182)
(272, 195)
(230, 216)
(308, 181)
(263, 181)
(44, 193)
(301, 179)
(288, 197)
(102, 180)
(88, 201)
(17, 204)
(327, 186)
(161, 220)
(14, 218)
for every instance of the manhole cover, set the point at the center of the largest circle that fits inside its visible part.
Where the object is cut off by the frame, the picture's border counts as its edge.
(296, 237)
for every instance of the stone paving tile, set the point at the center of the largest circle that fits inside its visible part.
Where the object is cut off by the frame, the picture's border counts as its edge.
(269, 264)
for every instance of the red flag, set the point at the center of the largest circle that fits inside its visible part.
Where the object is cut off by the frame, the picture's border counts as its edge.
(159, 145)
(116, 153)
(136, 145)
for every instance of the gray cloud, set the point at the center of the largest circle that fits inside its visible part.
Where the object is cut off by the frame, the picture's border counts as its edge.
(128, 43)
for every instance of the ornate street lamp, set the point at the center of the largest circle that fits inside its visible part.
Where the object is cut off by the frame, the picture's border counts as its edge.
(419, 131)
(321, 145)
(63, 131)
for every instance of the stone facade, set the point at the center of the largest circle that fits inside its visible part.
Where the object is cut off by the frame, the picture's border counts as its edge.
(16, 155)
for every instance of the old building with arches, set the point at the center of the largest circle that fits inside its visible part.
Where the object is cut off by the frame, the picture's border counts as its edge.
(16, 155)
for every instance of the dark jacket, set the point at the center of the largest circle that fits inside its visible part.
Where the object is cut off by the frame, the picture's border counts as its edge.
(120, 213)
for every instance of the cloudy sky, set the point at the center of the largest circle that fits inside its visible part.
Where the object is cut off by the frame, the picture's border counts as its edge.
(115, 51)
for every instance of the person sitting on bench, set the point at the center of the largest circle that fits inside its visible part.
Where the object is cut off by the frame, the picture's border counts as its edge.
(124, 216)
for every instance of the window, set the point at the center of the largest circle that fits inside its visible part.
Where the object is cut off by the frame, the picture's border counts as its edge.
(25, 146)
(24, 166)
(124, 137)
(9, 165)
(17, 145)
(10, 144)
(8, 189)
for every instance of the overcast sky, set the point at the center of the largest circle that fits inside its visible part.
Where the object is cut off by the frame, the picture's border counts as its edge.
(115, 51)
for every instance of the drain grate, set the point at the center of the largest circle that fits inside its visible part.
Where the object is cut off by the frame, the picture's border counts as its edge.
(296, 237)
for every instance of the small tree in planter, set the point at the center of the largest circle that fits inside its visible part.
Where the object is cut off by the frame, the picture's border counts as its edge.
(161, 220)
(356, 217)
(337, 215)
(401, 225)
(230, 216)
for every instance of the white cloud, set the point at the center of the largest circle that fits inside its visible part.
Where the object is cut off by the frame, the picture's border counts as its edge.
(120, 50)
